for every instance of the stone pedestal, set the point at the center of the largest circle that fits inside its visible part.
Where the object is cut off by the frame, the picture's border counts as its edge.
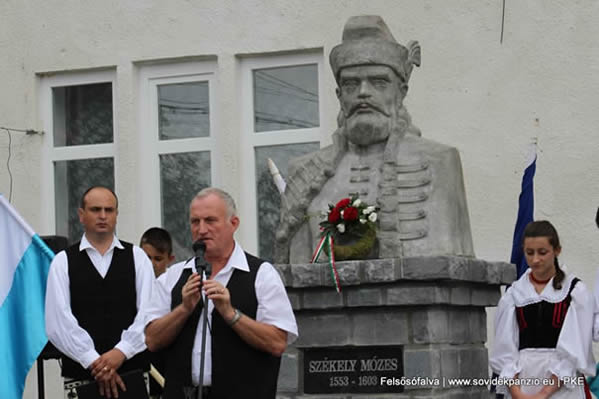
(430, 308)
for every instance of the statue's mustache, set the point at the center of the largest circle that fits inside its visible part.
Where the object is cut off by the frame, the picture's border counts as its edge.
(365, 105)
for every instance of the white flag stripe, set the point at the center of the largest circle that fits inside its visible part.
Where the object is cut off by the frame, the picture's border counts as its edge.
(16, 238)
(276, 176)
(531, 154)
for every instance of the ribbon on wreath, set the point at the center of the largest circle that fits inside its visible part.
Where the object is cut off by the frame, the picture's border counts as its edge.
(327, 242)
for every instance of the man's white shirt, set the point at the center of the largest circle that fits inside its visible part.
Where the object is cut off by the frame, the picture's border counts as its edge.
(62, 327)
(274, 307)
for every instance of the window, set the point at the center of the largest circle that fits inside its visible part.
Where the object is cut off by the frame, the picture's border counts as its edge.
(78, 119)
(177, 143)
(285, 98)
(281, 120)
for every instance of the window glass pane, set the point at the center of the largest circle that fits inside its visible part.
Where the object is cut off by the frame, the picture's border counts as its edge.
(71, 180)
(183, 110)
(286, 98)
(182, 175)
(82, 114)
(268, 198)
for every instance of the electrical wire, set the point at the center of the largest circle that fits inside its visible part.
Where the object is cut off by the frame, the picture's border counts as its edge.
(28, 131)
(284, 83)
(8, 130)
(8, 165)
(502, 22)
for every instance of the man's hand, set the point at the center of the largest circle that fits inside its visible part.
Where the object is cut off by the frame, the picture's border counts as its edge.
(163, 331)
(190, 292)
(221, 298)
(110, 361)
(262, 336)
(109, 386)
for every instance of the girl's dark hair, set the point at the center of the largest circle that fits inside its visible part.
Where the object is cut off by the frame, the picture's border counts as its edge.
(542, 228)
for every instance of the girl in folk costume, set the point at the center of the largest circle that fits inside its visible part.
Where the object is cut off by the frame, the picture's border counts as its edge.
(544, 326)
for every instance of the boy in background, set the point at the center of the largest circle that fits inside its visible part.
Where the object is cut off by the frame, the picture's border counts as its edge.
(158, 245)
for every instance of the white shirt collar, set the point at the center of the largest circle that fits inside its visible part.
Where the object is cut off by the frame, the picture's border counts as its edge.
(524, 292)
(85, 244)
(237, 260)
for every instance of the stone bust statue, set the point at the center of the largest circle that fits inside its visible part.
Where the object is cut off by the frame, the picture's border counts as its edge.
(378, 153)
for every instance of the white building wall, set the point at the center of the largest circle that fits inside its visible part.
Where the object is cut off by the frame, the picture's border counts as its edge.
(488, 99)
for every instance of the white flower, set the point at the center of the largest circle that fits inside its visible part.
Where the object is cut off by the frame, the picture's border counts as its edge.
(368, 210)
(341, 228)
(362, 221)
(341, 213)
(372, 217)
(357, 203)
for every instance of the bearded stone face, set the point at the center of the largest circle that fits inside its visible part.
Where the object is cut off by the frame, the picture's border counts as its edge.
(370, 97)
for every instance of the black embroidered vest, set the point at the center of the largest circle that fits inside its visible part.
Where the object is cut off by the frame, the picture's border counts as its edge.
(541, 323)
(104, 307)
(238, 370)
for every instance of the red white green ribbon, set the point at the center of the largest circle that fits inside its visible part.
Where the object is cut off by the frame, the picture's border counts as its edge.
(327, 242)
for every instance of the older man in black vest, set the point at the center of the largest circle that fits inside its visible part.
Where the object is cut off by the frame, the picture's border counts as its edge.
(96, 292)
(250, 328)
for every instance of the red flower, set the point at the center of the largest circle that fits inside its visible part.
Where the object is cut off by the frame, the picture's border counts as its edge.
(343, 203)
(350, 213)
(334, 215)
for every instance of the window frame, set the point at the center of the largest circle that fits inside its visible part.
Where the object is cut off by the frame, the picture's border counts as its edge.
(150, 147)
(51, 154)
(250, 139)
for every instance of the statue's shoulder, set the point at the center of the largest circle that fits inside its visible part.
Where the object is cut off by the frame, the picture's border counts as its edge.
(436, 153)
(427, 146)
(442, 157)
(310, 160)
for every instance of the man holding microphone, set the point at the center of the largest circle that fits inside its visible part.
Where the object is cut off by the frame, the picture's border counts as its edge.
(252, 324)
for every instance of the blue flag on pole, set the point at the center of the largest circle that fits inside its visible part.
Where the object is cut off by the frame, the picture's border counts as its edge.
(24, 263)
(526, 206)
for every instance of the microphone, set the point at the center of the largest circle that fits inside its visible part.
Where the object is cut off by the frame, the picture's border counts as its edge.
(199, 247)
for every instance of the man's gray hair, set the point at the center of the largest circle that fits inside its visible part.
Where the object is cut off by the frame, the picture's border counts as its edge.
(223, 195)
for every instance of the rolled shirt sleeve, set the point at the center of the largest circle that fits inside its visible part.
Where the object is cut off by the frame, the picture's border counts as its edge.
(160, 303)
(62, 327)
(574, 347)
(274, 307)
(505, 355)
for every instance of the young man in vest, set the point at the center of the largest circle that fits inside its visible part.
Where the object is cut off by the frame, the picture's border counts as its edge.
(158, 245)
(96, 293)
(250, 317)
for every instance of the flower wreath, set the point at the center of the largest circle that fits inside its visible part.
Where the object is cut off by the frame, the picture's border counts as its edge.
(348, 231)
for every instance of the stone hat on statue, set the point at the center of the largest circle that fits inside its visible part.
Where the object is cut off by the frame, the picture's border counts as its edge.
(368, 41)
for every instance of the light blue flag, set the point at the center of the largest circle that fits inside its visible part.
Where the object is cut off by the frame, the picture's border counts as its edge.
(526, 207)
(24, 263)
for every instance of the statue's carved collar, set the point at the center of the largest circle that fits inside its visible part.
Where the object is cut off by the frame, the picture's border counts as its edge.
(377, 148)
